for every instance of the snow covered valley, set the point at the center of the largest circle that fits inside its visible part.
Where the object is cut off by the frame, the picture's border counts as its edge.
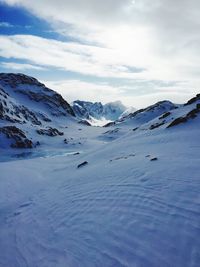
(123, 195)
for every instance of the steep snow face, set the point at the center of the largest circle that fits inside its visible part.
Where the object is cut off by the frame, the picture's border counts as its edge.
(29, 92)
(113, 110)
(11, 110)
(98, 111)
(85, 109)
(27, 109)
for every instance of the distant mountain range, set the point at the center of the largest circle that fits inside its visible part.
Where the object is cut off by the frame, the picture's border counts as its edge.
(89, 110)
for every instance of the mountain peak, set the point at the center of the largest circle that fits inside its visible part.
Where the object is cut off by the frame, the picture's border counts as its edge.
(29, 91)
(96, 110)
(15, 79)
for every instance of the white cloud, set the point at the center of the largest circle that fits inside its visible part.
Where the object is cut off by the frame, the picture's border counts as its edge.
(169, 22)
(143, 101)
(76, 89)
(97, 62)
(93, 60)
(20, 66)
(84, 59)
(160, 38)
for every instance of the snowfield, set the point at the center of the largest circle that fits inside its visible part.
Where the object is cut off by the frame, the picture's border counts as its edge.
(121, 209)
(127, 194)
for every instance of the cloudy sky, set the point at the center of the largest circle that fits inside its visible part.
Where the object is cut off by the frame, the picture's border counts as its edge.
(138, 51)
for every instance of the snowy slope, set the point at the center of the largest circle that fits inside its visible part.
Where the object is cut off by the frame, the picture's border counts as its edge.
(135, 203)
(127, 112)
(29, 110)
(145, 115)
(29, 92)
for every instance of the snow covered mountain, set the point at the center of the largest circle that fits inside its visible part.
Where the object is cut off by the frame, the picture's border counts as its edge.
(160, 116)
(113, 110)
(125, 195)
(29, 109)
(19, 90)
(145, 115)
(127, 112)
(89, 111)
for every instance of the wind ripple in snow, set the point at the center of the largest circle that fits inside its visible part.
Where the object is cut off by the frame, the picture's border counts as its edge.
(131, 222)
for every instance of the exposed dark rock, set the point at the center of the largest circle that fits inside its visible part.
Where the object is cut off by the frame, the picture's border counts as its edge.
(17, 137)
(193, 113)
(49, 131)
(135, 129)
(116, 130)
(1, 110)
(177, 121)
(27, 114)
(69, 140)
(82, 164)
(166, 114)
(43, 117)
(193, 100)
(55, 102)
(10, 119)
(23, 144)
(84, 122)
(198, 106)
(3, 93)
(122, 157)
(190, 115)
(132, 115)
(154, 159)
(66, 141)
(156, 125)
(63, 103)
(15, 79)
(112, 123)
(37, 143)
(17, 114)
